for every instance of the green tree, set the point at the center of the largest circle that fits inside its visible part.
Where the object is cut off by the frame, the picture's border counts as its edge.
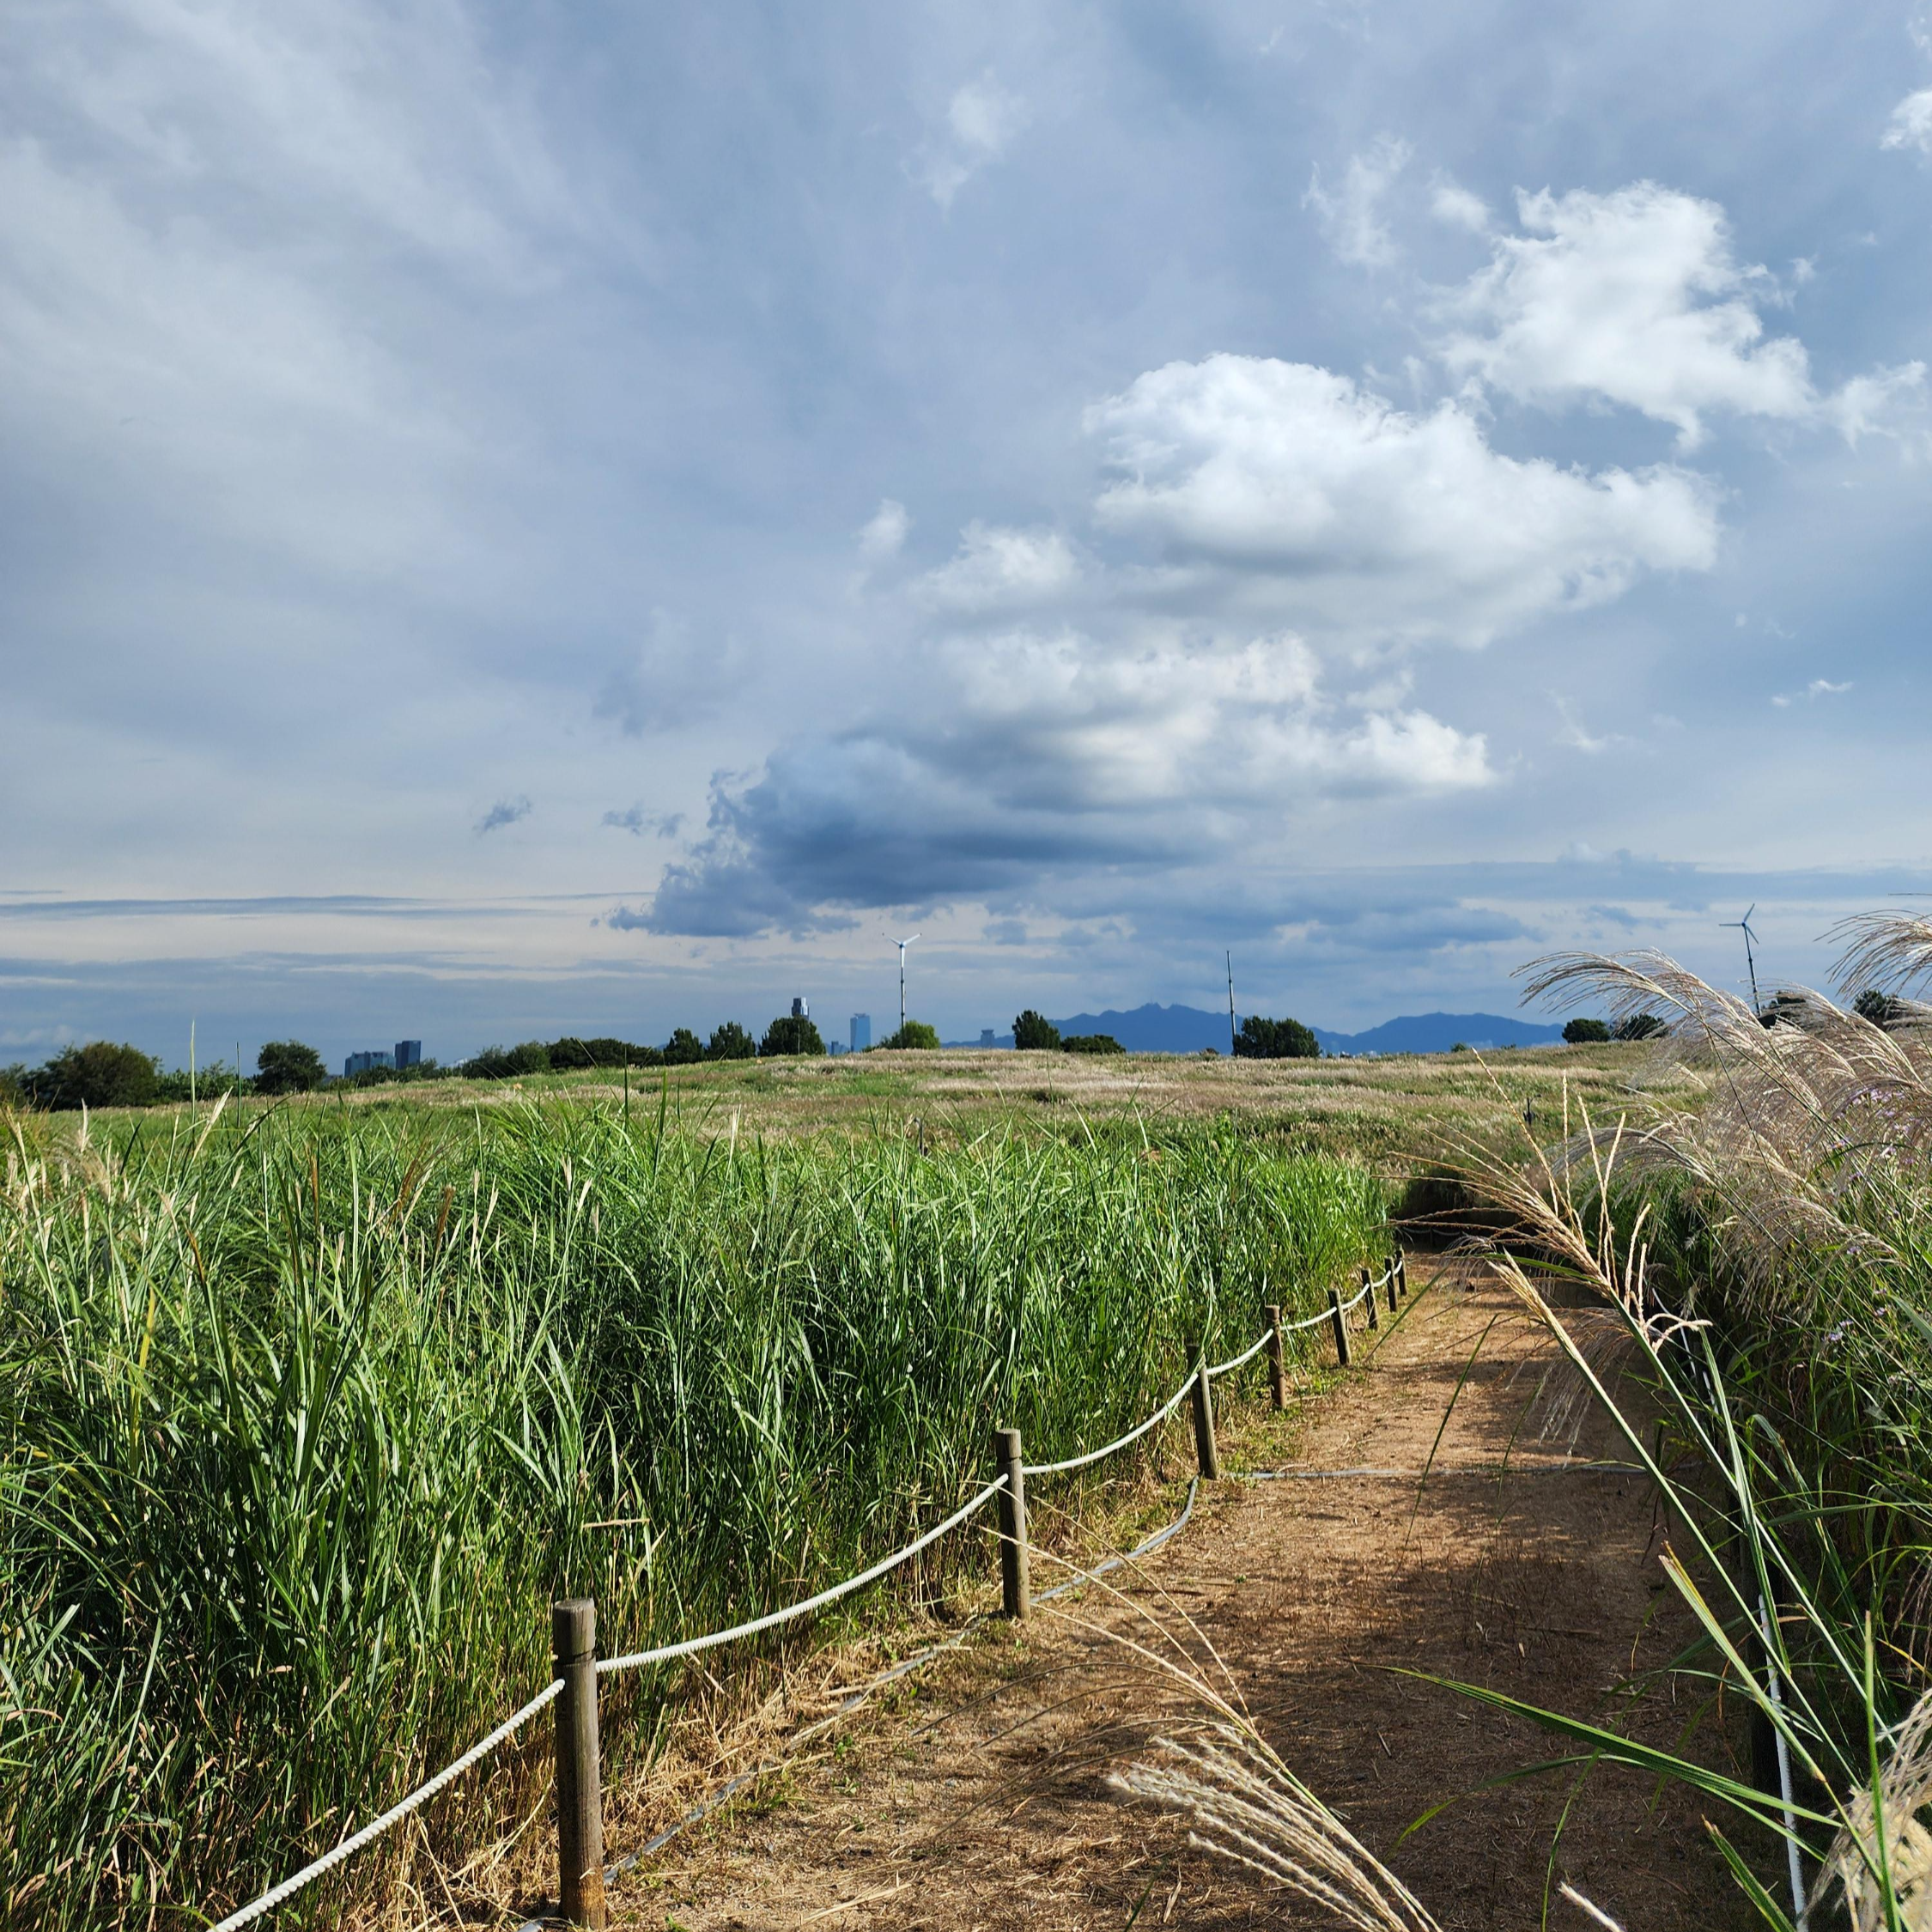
(1585, 1032)
(914, 1032)
(791, 1033)
(1275, 1039)
(683, 1049)
(100, 1074)
(1032, 1034)
(1880, 1008)
(1639, 1026)
(288, 1067)
(1090, 1043)
(730, 1041)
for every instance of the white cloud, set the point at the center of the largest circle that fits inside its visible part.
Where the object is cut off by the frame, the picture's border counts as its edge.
(1634, 297)
(1351, 216)
(1818, 687)
(982, 119)
(998, 568)
(1910, 125)
(1459, 208)
(884, 535)
(1577, 738)
(1294, 490)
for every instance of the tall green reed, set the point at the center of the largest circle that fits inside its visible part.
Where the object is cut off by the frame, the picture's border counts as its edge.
(304, 1420)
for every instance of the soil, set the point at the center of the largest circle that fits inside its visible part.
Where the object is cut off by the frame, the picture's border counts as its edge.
(978, 1797)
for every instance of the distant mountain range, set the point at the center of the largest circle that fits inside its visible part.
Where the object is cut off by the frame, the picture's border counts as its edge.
(1186, 1029)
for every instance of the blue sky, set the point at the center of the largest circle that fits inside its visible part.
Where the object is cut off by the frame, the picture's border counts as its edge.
(526, 519)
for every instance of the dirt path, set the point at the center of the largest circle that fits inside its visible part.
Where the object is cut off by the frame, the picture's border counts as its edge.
(981, 1802)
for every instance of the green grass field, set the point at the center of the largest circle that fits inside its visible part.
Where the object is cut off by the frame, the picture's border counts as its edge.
(311, 1409)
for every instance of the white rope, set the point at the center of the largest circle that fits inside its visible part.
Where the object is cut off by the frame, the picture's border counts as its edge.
(666, 1652)
(288, 1887)
(1247, 1355)
(1134, 1435)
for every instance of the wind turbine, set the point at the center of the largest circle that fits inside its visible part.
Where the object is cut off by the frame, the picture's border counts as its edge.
(902, 945)
(1744, 925)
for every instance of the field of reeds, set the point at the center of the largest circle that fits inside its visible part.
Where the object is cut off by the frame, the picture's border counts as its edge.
(1769, 1250)
(308, 1413)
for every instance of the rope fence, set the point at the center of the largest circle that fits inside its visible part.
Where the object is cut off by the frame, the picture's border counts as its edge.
(582, 1870)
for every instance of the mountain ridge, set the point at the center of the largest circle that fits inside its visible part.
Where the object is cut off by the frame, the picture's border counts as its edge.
(1154, 1028)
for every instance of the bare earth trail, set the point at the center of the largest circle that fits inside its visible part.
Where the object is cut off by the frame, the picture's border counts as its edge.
(979, 1800)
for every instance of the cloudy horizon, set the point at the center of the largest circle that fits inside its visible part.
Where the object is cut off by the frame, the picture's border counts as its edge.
(525, 525)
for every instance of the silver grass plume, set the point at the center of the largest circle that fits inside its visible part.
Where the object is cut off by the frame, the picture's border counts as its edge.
(1243, 1804)
(1888, 1837)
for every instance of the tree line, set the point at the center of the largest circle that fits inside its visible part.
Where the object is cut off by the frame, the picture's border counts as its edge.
(107, 1073)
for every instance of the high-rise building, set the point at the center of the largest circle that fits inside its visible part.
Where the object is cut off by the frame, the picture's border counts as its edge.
(799, 1009)
(408, 1052)
(861, 1032)
(365, 1063)
(987, 1037)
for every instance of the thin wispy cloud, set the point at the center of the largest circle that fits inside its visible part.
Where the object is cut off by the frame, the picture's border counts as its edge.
(1351, 212)
(505, 812)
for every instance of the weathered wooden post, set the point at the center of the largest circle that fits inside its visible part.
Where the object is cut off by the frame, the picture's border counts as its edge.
(1392, 1288)
(1278, 1373)
(1014, 1595)
(1340, 1321)
(1402, 1273)
(1368, 1302)
(1205, 1450)
(579, 1790)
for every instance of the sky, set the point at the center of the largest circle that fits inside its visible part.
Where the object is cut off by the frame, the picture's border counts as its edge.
(530, 520)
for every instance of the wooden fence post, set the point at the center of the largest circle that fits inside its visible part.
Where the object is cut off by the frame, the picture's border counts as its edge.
(1014, 1594)
(1340, 1322)
(1392, 1288)
(1402, 1273)
(1368, 1302)
(1205, 1451)
(579, 1791)
(1280, 1378)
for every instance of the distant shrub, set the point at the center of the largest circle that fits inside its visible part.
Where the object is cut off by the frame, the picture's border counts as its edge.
(100, 1074)
(730, 1041)
(1880, 1008)
(571, 1052)
(914, 1032)
(791, 1034)
(1639, 1026)
(1275, 1039)
(683, 1049)
(1033, 1034)
(1090, 1043)
(287, 1067)
(1585, 1032)
(501, 1063)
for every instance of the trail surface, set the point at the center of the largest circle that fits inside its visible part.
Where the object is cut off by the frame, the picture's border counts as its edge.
(982, 1801)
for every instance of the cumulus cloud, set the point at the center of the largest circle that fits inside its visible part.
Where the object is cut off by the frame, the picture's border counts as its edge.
(1910, 125)
(1351, 215)
(1047, 755)
(982, 119)
(1459, 208)
(1635, 297)
(996, 569)
(505, 812)
(884, 535)
(1312, 493)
